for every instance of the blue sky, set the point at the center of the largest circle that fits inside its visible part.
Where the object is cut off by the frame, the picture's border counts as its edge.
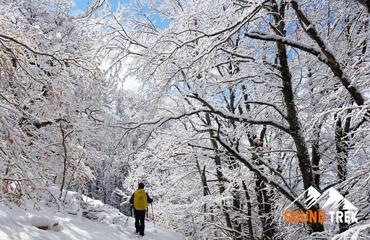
(82, 5)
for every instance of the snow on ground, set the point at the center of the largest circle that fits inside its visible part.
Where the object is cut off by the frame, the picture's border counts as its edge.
(108, 223)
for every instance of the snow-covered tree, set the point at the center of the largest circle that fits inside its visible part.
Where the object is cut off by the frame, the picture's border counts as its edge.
(266, 98)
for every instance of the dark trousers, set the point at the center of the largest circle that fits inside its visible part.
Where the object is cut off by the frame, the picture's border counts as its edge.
(139, 221)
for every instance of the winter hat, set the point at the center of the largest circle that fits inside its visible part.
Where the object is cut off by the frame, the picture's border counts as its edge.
(141, 185)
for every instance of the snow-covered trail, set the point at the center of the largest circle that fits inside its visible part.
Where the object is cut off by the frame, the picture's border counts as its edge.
(15, 224)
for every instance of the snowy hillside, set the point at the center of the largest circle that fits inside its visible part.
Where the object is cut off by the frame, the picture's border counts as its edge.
(108, 223)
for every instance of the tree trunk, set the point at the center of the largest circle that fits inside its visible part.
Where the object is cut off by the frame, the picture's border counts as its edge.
(249, 212)
(264, 196)
(219, 174)
(342, 147)
(203, 179)
(316, 157)
(296, 132)
(64, 160)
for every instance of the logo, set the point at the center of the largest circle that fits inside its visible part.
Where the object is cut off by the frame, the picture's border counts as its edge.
(336, 208)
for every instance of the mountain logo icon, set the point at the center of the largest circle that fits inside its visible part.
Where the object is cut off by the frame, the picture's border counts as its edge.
(336, 205)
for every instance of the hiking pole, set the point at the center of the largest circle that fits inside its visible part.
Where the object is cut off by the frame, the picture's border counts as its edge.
(155, 228)
(124, 225)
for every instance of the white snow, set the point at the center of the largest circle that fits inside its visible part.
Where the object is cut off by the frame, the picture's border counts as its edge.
(18, 224)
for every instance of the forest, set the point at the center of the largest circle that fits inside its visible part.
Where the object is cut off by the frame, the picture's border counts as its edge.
(230, 111)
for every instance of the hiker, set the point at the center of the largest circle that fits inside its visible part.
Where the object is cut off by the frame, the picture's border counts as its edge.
(140, 200)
